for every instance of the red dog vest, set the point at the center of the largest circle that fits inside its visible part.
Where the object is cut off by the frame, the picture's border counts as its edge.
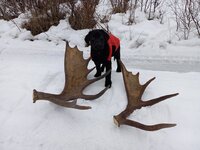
(113, 41)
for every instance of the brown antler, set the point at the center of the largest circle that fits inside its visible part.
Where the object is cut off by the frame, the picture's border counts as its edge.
(76, 72)
(134, 92)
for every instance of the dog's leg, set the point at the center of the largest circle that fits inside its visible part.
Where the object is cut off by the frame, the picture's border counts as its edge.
(102, 67)
(108, 81)
(98, 68)
(118, 66)
(117, 56)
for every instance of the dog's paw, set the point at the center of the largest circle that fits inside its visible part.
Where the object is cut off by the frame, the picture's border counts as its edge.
(108, 84)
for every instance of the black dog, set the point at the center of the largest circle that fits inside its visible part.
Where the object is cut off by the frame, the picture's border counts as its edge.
(103, 46)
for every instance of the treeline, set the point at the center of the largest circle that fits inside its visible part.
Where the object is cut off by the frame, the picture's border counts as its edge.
(82, 14)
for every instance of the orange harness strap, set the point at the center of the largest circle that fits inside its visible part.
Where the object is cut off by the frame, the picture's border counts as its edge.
(113, 41)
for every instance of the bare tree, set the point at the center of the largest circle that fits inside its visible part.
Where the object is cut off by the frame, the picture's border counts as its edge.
(132, 8)
(119, 6)
(152, 8)
(187, 15)
(194, 10)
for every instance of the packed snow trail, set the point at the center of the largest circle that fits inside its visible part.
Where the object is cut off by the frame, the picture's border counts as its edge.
(27, 65)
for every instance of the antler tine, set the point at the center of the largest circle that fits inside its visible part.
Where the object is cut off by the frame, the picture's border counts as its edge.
(157, 100)
(90, 70)
(71, 104)
(122, 120)
(57, 100)
(81, 107)
(98, 78)
(41, 95)
(146, 84)
(92, 97)
(148, 127)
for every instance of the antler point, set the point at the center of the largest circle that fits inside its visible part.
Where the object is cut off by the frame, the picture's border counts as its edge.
(35, 97)
(116, 122)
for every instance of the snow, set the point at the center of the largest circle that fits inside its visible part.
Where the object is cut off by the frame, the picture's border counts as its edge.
(147, 47)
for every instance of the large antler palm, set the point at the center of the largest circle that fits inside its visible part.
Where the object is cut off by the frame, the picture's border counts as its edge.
(76, 81)
(134, 92)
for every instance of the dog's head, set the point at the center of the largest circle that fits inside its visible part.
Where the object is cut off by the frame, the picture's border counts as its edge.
(97, 39)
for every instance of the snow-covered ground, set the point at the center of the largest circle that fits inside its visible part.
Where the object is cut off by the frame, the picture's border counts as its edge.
(148, 47)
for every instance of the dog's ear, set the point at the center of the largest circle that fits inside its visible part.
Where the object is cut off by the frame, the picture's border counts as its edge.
(87, 39)
(105, 35)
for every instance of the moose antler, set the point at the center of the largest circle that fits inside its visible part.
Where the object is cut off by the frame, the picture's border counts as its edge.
(134, 92)
(76, 81)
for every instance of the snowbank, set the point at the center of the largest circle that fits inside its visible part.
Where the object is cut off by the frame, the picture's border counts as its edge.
(28, 63)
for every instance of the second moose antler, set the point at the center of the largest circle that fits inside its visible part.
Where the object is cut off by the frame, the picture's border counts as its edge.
(75, 81)
(134, 92)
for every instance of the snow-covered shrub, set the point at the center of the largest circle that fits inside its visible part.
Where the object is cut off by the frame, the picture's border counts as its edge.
(182, 16)
(44, 14)
(10, 9)
(82, 13)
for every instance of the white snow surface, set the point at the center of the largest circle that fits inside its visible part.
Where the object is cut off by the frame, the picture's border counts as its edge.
(146, 47)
